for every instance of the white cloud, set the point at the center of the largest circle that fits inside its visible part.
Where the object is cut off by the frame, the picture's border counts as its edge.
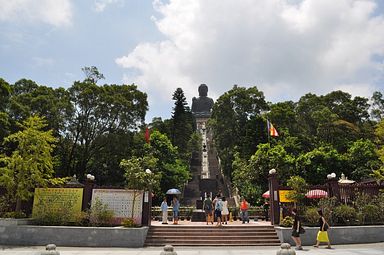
(53, 12)
(287, 49)
(100, 5)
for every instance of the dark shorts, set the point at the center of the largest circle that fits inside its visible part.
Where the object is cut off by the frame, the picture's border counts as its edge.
(218, 213)
(208, 212)
(295, 233)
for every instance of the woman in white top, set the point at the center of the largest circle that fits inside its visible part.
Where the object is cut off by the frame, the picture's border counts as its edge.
(225, 211)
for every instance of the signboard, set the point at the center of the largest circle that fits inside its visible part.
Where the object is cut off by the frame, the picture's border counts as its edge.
(120, 201)
(283, 198)
(54, 199)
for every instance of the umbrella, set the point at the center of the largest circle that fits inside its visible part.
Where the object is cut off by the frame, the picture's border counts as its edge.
(265, 194)
(316, 193)
(173, 192)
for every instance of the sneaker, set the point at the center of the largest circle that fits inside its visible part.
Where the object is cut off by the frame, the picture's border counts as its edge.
(299, 248)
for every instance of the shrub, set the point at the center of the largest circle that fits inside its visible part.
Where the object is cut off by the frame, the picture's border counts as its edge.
(361, 200)
(287, 222)
(344, 214)
(128, 223)
(379, 201)
(311, 215)
(370, 213)
(327, 205)
(100, 215)
(46, 214)
(15, 215)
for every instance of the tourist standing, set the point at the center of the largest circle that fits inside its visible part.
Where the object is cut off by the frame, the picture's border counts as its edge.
(244, 210)
(225, 211)
(266, 210)
(322, 235)
(297, 229)
(208, 209)
(175, 209)
(164, 210)
(218, 209)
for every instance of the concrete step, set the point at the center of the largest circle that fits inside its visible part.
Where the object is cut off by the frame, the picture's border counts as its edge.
(211, 235)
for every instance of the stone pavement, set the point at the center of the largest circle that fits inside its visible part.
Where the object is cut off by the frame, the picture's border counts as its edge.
(356, 249)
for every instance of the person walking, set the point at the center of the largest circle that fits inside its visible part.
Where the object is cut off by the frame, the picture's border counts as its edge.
(297, 229)
(322, 235)
(164, 210)
(175, 209)
(225, 211)
(208, 209)
(244, 210)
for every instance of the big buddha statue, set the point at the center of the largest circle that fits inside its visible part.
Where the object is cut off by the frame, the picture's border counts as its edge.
(202, 105)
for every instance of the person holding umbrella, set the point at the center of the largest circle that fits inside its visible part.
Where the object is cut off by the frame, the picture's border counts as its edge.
(175, 209)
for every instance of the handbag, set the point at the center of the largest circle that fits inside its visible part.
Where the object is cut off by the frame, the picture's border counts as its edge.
(301, 230)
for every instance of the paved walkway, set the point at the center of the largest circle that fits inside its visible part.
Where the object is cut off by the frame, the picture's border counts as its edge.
(360, 249)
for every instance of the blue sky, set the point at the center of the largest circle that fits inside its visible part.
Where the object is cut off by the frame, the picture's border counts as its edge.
(285, 47)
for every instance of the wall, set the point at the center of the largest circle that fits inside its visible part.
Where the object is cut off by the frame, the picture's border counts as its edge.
(72, 236)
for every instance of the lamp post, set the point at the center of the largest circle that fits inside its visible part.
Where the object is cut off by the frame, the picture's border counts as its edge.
(147, 204)
(273, 185)
(333, 186)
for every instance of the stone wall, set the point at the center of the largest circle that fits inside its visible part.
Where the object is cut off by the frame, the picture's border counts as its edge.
(73, 236)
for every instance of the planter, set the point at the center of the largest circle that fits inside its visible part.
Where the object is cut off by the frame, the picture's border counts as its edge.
(73, 236)
(337, 235)
(14, 222)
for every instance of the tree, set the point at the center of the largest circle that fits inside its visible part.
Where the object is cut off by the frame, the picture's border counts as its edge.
(362, 159)
(92, 74)
(377, 112)
(31, 163)
(5, 91)
(182, 123)
(174, 171)
(137, 177)
(378, 173)
(231, 120)
(98, 112)
(299, 187)
(314, 166)
(29, 98)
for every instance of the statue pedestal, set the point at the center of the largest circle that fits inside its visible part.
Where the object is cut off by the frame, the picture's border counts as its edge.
(198, 216)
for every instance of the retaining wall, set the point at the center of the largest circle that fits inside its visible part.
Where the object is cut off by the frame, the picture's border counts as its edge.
(72, 236)
(337, 235)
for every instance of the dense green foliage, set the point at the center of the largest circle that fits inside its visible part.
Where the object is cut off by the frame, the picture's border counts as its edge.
(30, 163)
(97, 126)
(317, 135)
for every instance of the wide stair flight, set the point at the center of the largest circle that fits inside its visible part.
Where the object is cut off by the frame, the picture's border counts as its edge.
(228, 235)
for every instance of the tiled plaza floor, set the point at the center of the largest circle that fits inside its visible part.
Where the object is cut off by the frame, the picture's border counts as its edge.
(360, 249)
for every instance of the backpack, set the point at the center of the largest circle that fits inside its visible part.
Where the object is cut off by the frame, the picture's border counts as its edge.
(219, 205)
(207, 204)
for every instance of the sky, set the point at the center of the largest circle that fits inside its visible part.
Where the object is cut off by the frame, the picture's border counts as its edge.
(287, 48)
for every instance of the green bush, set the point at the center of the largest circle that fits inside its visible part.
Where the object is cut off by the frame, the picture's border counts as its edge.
(379, 201)
(344, 214)
(15, 215)
(370, 213)
(45, 214)
(311, 216)
(287, 222)
(100, 215)
(327, 205)
(128, 223)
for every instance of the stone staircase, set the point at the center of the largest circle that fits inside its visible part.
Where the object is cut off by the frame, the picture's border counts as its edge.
(210, 235)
